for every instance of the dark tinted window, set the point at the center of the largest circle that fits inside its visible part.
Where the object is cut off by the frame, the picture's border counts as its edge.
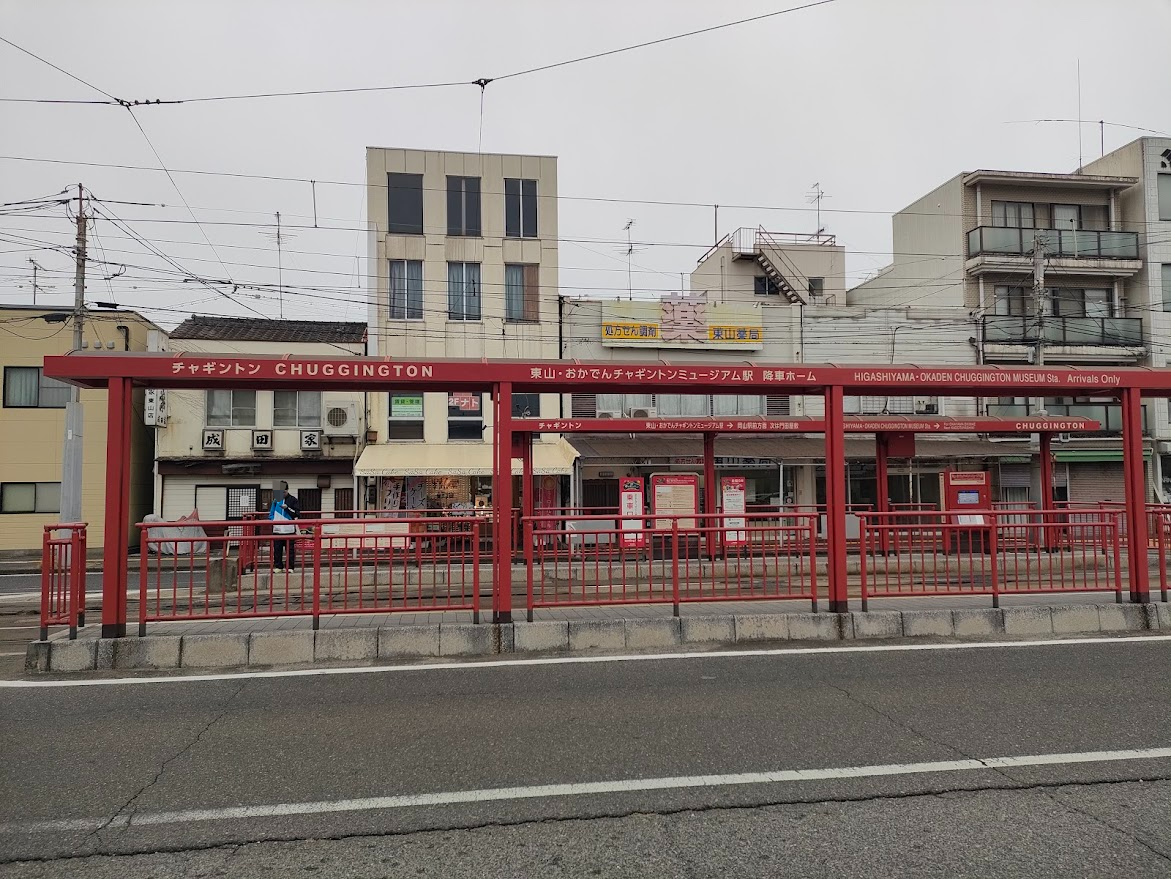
(463, 206)
(520, 208)
(405, 203)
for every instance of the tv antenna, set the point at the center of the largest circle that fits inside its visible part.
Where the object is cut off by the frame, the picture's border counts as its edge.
(630, 250)
(814, 197)
(280, 237)
(36, 268)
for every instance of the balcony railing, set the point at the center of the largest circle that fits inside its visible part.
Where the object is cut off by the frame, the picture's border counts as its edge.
(1108, 414)
(1103, 331)
(1067, 243)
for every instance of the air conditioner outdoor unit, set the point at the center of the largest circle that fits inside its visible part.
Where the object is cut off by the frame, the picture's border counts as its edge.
(340, 417)
(926, 406)
(605, 413)
(644, 412)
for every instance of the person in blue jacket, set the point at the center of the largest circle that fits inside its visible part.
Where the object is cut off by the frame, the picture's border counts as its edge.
(283, 514)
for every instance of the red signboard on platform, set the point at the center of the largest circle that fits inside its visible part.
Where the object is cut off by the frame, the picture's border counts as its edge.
(630, 509)
(675, 494)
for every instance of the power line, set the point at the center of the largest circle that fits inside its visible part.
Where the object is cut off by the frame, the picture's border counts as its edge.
(480, 82)
(62, 70)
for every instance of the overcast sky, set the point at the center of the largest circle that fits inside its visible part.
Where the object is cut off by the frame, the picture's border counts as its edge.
(877, 100)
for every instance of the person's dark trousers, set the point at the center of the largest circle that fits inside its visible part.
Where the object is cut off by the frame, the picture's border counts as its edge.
(279, 549)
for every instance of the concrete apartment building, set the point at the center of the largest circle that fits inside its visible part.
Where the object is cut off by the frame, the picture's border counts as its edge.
(1145, 210)
(463, 250)
(969, 243)
(763, 297)
(219, 452)
(33, 422)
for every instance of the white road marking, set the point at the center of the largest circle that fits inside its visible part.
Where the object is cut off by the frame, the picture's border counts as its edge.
(474, 665)
(15, 628)
(11, 597)
(21, 653)
(577, 789)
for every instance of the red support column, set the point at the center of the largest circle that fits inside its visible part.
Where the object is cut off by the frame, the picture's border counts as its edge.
(881, 453)
(117, 535)
(1045, 500)
(502, 505)
(835, 499)
(710, 495)
(1136, 495)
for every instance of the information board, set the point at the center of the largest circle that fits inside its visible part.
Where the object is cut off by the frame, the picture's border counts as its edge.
(733, 490)
(675, 494)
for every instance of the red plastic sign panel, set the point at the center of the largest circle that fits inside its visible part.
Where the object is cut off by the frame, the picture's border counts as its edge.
(630, 511)
(733, 491)
(675, 494)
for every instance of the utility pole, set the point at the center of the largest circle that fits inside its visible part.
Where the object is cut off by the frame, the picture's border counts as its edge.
(1039, 306)
(71, 473)
(280, 281)
(35, 269)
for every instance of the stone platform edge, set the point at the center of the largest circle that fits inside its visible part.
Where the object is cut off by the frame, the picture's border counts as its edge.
(368, 645)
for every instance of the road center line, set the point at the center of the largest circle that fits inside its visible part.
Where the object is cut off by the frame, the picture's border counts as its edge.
(576, 789)
(474, 665)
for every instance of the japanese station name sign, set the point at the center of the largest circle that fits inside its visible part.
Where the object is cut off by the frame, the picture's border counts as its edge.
(186, 370)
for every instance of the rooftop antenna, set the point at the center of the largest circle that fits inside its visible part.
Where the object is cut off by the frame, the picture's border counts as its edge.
(630, 250)
(1080, 158)
(814, 197)
(280, 237)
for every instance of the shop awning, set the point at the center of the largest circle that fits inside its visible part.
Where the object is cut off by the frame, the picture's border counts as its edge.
(456, 459)
(1092, 455)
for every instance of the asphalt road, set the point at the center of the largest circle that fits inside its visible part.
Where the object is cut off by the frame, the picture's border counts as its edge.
(134, 779)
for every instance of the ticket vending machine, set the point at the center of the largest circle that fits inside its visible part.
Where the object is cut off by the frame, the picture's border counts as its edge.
(966, 498)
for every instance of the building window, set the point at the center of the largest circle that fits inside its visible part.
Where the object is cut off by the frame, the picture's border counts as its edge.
(740, 406)
(1014, 214)
(1012, 302)
(30, 497)
(1081, 303)
(231, 408)
(27, 387)
(406, 289)
(296, 409)
(1166, 272)
(405, 204)
(463, 206)
(526, 405)
(763, 285)
(406, 416)
(816, 288)
(520, 208)
(465, 416)
(522, 293)
(1165, 196)
(463, 291)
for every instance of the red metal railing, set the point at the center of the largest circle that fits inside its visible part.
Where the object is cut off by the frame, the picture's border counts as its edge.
(331, 566)
(63, 578)
(669, 559)
(1159, 533)
(987, 552)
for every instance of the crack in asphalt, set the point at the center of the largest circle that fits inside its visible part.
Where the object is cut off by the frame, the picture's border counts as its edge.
(1098, 819)
(234, 846)
(95, 835)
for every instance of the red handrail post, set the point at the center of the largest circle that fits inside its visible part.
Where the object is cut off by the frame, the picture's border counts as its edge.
(674, 563)
(476, 571)
(994, 556)
(528, 539)
(46, 580)
(1116, 546)
(143, 575)
(863, 551)
(79, 584)
(811, 538)
(317, 538)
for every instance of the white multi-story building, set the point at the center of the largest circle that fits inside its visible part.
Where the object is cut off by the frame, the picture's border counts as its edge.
(463, 255)
(219, 452)
(1145, 210)
(969, 243)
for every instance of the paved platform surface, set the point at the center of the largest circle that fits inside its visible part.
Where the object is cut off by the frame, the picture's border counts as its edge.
(416, 772)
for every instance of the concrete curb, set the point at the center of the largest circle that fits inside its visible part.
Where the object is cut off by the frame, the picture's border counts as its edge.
(305, 647)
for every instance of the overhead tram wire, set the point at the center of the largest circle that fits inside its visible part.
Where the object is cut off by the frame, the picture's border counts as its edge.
(480, 82)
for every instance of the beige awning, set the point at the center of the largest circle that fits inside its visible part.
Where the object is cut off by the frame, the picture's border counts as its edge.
(457, 459)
